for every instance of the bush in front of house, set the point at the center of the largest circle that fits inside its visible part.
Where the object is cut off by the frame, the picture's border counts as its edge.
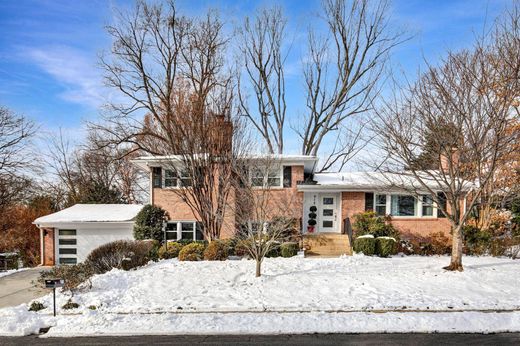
(434, 244)
(217, 250)
(365, 244)
(289, 249)
(192, 252)
(386, 246)
(241, 248)
(171, 250)
(370, 223)
(149, 222)
(74, 275)
(121, 254)
(476, 241)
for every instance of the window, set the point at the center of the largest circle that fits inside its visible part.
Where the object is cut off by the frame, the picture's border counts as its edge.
(67, 251)
(427, 205)
(328, 212)
(170, 178)
(156, 177)
(67, 232)
(257, 178)
(273, 178)
(328, 200)
(67, 242)
(171, 231)
(184, 230)
(403, 205)
(68, 260)
(380, 205)
(327, 223)
(262, 178)
(185, 179)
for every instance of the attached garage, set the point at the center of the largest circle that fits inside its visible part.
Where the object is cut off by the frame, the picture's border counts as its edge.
(68, 236)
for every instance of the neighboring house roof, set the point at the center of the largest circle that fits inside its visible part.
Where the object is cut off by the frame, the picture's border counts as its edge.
(367, 181)
(92, 213)
(308, 161)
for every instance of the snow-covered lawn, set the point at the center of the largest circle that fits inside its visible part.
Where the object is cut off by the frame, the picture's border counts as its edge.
(182, 297)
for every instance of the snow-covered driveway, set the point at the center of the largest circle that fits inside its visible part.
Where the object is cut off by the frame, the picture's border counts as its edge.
(172, 294)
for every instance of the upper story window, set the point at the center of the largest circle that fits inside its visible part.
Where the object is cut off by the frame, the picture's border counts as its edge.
(176, 179)
(266, 177)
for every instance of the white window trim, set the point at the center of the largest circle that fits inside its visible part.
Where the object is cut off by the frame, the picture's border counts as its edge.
(418, 206)
(179, 229)
(179, 177)
(266, 177)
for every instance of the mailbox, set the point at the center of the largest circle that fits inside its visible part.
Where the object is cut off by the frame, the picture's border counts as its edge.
(54, 283)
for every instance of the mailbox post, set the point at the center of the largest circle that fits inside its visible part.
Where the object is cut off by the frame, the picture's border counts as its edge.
(54, 283)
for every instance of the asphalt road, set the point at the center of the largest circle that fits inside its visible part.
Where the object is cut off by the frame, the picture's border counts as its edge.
(280, 340)
(21, 287)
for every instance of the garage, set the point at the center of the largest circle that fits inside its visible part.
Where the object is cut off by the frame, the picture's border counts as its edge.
(68, 236)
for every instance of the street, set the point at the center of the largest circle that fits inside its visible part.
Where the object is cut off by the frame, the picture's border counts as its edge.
(279, 340)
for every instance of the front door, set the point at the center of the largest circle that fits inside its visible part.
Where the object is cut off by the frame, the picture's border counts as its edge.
(328, 214)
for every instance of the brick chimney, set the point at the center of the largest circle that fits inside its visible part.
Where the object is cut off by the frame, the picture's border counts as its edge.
(454, 156)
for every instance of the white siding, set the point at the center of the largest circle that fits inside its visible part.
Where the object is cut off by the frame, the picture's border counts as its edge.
(90, 237)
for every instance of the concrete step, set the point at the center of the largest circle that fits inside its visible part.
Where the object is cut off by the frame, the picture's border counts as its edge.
(328, 244)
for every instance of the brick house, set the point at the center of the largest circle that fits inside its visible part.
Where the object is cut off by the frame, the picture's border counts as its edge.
(335, 197)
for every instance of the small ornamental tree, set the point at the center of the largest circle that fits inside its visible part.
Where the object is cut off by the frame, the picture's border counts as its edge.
(149, 222)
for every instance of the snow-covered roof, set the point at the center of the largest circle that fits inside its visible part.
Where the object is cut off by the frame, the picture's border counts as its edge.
(93, 213)
(375, 181)
(144, 162)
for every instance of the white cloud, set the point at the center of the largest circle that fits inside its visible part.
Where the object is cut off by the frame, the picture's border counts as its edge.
(73, 70)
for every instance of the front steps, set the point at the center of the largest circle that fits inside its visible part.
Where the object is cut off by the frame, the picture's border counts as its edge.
(327, 244)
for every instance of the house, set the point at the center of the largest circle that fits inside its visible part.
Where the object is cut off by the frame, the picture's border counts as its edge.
(333, 197)
(68, 236)
(295, 190)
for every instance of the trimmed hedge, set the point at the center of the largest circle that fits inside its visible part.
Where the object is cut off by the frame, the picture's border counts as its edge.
(217, 250)
(289, 249)
(121, 254)
(386, 246)
(365, 244)
(192, 252)
(170, 251)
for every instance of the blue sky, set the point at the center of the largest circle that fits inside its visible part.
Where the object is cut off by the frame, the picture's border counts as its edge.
(49, 48)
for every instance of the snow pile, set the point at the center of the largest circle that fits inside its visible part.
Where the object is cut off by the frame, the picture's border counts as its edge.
(18, 321)
(95, 324)
(11, 271)
(302, 290)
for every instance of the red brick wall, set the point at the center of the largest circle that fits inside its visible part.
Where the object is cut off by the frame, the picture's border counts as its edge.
(354, 202)
(282, 202)
(48, 247)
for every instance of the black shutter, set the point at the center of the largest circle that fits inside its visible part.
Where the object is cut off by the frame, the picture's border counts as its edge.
(369, 201)
(156, 177)
(287, 176)
(442, 203)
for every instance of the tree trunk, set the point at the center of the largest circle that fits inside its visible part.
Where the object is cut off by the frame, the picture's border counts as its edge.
(258, 268)
(456, 250)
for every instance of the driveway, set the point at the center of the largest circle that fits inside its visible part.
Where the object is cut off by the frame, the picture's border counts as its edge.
(21, 287)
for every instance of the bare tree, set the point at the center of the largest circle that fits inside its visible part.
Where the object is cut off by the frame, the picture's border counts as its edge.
(475, 98)
(263, 217)
(16, 158)
(344, 70)
(263, 54)
(179, 103)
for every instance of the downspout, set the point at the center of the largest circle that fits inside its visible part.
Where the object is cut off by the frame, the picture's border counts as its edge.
(42, 247)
